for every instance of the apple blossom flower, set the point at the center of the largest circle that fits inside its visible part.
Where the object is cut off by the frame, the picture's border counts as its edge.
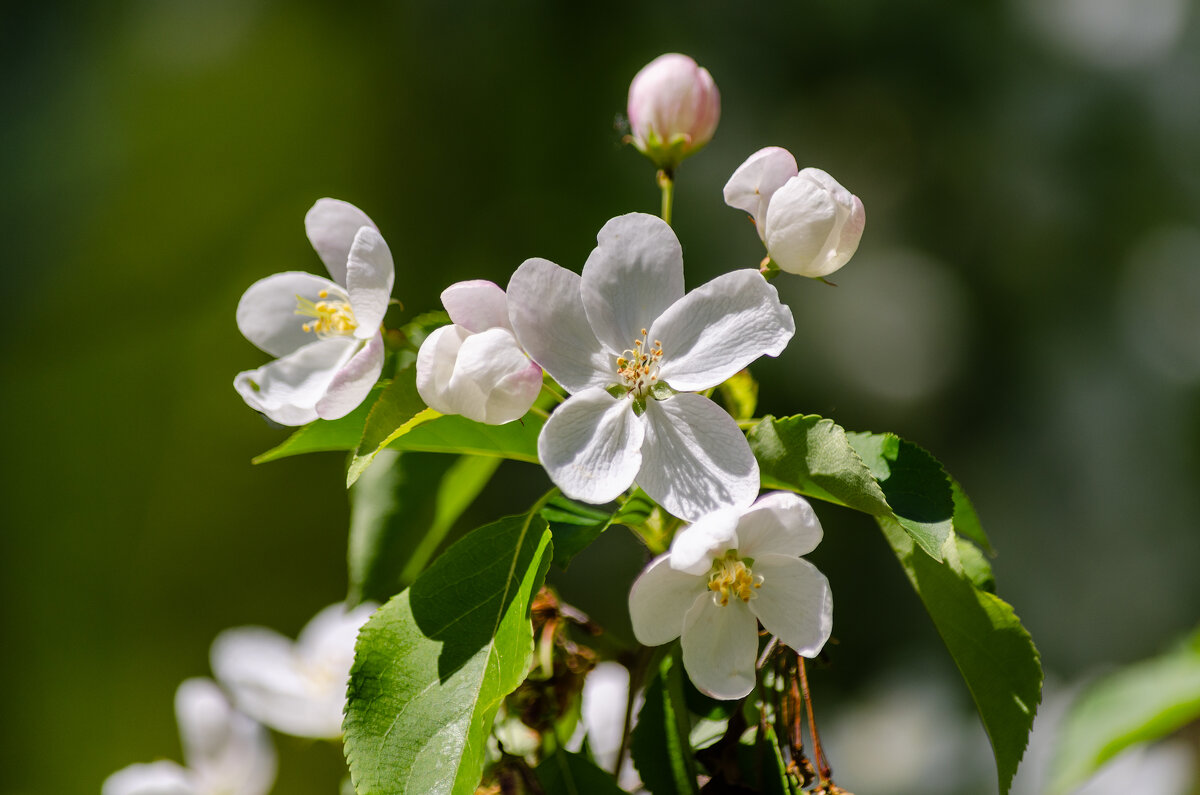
(475, 367)
(324, 332)
(810, 224)
(227, 753)
(723, 575)
(297, 688)
(673, 109)
(632, 350)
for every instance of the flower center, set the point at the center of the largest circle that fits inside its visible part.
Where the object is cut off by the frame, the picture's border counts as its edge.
(329, 318)
(732, 576)
(637, 367)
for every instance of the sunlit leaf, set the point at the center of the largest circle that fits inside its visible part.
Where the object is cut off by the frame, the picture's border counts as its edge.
(739, 395)
(325, 435)
(398, 410)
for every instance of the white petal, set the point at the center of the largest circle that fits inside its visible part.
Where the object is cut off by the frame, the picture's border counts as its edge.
(591, 446)
(659, 600)
(477, 305)
(804, 225)
(156, 778)
(602, 710)
(263, 673)
(435, 366)
(331, 634)
(631, 277)
(694, 548)
(546, 310)
(353, 381)
(369, 276)
(331, 225)
(794, 602)
(719, 328)
(266, 314)
(226, 750)
(779, 523)
(493, 380)
(695, 459)
(851, 218)
(720, 646)
(755, 181)
(287, 390)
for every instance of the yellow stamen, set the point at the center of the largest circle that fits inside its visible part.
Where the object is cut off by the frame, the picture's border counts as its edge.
(731, 576)
(331, 318)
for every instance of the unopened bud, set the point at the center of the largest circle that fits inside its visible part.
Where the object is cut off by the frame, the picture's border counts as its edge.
(673, 109)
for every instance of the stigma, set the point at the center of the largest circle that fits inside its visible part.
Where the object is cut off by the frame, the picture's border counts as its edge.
(732, 577)
(637, 367)
(330, 318)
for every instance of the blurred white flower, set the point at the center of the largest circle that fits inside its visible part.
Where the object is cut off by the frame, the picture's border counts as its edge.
(325, 333)
(294, 687)
(673, 109)
(810, 224)
(602, 720)
(226, 752)
(633, 350)
(475, 367)
(723, 575)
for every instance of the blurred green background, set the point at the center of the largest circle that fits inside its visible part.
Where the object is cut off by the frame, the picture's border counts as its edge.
(1025, 304)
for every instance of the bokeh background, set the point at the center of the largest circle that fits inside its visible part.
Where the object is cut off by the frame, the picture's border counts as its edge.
(1025, 304)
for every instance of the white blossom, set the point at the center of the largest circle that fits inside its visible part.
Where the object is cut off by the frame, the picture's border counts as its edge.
(324, 332)
(633, 350)
(810, 224)
(722, 576)
(296, 687)
(475, 367)
(673, 109)
(226, 752)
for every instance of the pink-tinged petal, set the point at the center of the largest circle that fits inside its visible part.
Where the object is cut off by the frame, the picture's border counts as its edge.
(779, 523)
(695, 459)
(266, 313)
(630, 278)
(331, 225)
(493, 380)
(353, 381)
(592, 446)
(794, 602)
(659, 600)
(755, 181)
(369, 276)
(694, 547)
(720, 646)
(813, 224)
(156, 778)
(287, 390)
(477, 305)
(226, 750)
(435, 366)
(546, 310)
(719, 328)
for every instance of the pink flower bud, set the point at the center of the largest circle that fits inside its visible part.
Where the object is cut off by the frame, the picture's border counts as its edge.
(673, 109)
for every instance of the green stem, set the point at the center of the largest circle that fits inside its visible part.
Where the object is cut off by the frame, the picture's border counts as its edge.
(666, 181)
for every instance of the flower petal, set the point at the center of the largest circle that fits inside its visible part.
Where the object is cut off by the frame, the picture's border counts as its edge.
(719, 328)
(435, 366)
(477, 305)
(266, 313)
(493, 380)
(779, 523)
(631, 277)
(695, 460)
(720, 645)
(546, 310)
(592, 446)
(802, 226)
(331, 225)
(369, 276)
(755, 181)
(287, 390)
(694, 548)
(659, 600)
(330, 635)
(156, 778)
(226, 750)
(794, 602)
(353, 381)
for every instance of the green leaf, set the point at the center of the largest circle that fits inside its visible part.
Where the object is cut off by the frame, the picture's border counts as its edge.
(659, 745)
(993, 652)
(325, 435)
(455, 434)
(966, 521)
(1142, 702)
(739, 394)
(575, 525)
(400, 511)
(398, 410)
(432, 666)
(565, 773)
